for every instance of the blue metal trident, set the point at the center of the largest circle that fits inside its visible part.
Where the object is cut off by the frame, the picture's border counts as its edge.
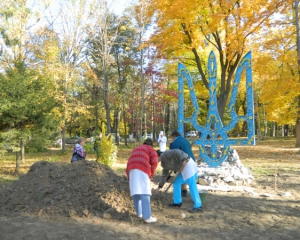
(214, 133)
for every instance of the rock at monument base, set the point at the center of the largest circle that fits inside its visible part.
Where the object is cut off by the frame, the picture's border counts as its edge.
(230, 173)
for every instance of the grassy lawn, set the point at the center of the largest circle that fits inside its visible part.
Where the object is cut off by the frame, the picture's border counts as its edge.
(268, 156)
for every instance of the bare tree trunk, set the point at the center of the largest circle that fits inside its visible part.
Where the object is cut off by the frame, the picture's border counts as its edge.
(257, 119)
(152, 110)
(143, 95)
(17, 162)
(96, 99)
(167, 118)
(106, 103)
(22, 146)
(298, 55)
(105, 77)
(152, 122)
(286, 130)
(63, 137)
(297, 128)
(273, 129)
(116, 127)
(167, 114)
(124, 120)
(265, 124)
(174, 120)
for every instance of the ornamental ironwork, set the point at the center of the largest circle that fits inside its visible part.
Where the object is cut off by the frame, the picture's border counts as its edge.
(214, 134)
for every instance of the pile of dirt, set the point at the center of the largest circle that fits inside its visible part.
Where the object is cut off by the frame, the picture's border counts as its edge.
(80, 189)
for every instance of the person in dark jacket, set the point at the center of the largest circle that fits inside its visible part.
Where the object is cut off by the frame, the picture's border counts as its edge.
(141, 166)
(173, 160)
(179, 142)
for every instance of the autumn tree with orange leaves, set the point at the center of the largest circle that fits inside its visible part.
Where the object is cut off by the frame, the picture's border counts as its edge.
(222, 26)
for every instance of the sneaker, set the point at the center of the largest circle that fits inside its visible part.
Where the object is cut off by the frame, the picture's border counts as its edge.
(175, 204)
(150, 220)
(184, 193)
(140, 216)
(199, 209)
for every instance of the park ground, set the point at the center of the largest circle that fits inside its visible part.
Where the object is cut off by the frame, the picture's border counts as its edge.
(54, 199)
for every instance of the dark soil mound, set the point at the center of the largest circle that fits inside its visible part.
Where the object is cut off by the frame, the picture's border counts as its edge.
(80, 189)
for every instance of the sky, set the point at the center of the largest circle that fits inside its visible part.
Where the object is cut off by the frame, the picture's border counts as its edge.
(52, 13)
(118, 6)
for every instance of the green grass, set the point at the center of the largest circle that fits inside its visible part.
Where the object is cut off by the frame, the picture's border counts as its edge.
(7, 180)
(272, 169)
(261, 171)
(120, 170)
(261, 159)
(53, 159)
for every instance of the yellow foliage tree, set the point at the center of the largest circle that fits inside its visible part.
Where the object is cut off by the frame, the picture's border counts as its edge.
(224, 26)
(275, 68)
(106, 150)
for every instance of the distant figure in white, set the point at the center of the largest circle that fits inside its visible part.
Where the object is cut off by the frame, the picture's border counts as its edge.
(162, 141)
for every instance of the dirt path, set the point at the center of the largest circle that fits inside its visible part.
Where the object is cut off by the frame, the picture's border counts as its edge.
(230, 215)
(88, 201)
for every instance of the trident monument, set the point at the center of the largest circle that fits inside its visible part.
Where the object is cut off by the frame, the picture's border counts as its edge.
(214, 134)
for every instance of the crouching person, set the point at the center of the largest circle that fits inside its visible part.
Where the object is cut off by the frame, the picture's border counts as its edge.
(173, 160)
(140, 168)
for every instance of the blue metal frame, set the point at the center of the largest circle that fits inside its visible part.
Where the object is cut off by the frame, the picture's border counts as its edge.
(214, 133)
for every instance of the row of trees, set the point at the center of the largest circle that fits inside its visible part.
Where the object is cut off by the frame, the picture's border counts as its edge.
(270, 29)
(69, 66)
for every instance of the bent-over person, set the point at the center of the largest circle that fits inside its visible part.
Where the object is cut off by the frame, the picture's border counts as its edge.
(179, 142)
(172, 160)
(140, 168)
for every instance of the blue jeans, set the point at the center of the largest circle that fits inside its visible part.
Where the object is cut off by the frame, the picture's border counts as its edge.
(193, 190)
(142, 205)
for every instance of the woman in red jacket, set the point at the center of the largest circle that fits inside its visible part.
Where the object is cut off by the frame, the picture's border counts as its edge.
(141, 167)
